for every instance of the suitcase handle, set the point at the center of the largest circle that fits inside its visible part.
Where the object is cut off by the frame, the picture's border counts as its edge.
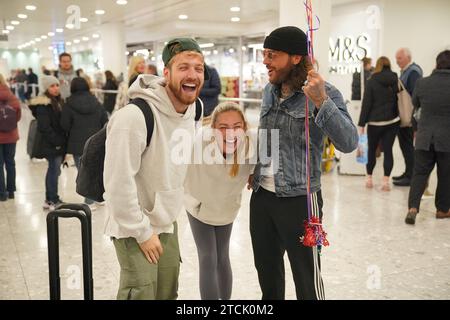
(82, 213)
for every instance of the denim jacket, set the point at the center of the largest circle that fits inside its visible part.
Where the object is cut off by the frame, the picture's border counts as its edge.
(288, 120)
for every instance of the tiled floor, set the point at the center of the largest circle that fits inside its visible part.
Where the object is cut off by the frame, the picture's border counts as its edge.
(373, 253)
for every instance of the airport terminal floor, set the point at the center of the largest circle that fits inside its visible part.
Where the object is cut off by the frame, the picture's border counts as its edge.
(373, 254)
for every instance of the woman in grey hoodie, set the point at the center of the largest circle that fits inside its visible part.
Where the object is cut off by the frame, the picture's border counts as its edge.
(213, 192)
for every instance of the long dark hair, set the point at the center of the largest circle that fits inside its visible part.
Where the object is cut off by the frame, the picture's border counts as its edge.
(297, 76)
(443, 60)
(56, 102)
(110, 76)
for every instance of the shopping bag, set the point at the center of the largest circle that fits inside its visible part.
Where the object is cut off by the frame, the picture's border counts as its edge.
(361, 152)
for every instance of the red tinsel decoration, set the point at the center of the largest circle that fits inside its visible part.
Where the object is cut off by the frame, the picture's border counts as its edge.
(314, 234)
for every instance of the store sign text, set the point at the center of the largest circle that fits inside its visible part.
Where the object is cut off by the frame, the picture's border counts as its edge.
(346, 53)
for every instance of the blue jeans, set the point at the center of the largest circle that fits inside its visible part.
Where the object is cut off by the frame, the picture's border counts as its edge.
(7, 153)
(77, 159)
(51, 178)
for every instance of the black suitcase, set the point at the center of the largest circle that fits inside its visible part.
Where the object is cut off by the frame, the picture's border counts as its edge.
(83, 213)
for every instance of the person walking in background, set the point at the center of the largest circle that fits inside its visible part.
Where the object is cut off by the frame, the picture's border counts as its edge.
(211, 214)
(46, 108)
(109, 98)
(81, 117)
(210, 91)
(32, 82)
(356, 82)
(409, 74)
(432, 98)
(65, 74)
(380, 112)
(9, 134)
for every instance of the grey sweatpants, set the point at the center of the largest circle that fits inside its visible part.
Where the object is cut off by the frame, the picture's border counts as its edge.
(213, 243)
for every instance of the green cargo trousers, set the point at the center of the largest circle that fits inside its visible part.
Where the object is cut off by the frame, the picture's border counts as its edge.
(142, 280)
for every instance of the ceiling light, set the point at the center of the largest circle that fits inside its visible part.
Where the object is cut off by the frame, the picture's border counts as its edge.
(122, 2)
(235, 9)
(84, 20)
(32, 42)
(127, 53)
(182, 17)
(231, 50)
(44, 37)
(22, 16)
(5, 31)
(59, 30)
(206, 45)
(85, 38)
(50, 48)
(99, 12)
(10, 28)
(15, 22)
(95, 36)
(76, 41)
(51, 34)
(68, 43)
(215, 52)
(30, 7)
(37, 39)
(70, 26)
(244, 48)
(235, 19)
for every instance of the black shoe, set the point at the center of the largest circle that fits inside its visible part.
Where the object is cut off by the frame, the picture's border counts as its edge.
(400, 177)
(3, 197)
(411, 217)
(405, 182)
(11, 195)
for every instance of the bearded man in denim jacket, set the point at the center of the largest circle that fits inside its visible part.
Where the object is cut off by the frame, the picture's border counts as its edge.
(278, 204)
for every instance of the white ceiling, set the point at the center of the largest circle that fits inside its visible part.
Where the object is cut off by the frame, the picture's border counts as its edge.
(144, 20)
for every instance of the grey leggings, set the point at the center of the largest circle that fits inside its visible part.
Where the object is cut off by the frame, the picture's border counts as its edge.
(213, 243)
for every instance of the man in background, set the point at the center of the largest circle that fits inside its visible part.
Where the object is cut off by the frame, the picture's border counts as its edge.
(210, 91)
(410, 72)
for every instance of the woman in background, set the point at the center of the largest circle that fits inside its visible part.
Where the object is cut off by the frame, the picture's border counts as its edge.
(110, 98)
(82, 116)
(8, 140)
(380, 112)
(46, 108)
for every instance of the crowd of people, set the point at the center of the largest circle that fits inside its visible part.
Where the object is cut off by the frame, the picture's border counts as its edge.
(145, 189)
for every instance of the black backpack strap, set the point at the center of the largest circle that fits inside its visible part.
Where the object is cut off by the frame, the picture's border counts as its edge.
(198, 109)
(148, 115)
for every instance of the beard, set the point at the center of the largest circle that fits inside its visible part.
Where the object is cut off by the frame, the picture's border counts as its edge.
(282, 74)
(181, 96)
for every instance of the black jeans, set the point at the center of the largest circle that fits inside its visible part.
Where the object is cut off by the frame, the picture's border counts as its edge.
(7, 153)
(385, 134)
(276, 224)
(406, 141)
(423, 166)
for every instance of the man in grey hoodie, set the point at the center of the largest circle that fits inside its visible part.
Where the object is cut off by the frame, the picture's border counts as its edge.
(143, 185)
